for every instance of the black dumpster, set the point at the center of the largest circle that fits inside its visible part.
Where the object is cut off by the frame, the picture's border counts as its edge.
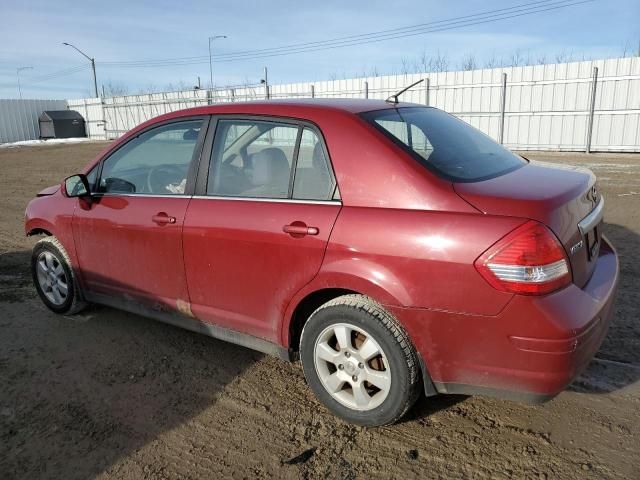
(61, 124)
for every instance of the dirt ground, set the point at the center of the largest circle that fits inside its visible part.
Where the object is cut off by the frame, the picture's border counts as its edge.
(107, 394)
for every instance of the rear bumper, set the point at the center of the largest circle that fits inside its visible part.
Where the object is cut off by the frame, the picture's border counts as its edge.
(530, 351)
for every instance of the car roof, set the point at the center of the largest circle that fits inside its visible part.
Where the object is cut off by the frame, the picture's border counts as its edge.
(294, 107)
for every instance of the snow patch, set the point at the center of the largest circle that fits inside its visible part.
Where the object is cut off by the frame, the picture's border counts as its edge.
(36, 143)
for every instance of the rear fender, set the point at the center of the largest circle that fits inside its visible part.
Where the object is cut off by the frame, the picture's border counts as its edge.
(361, 276)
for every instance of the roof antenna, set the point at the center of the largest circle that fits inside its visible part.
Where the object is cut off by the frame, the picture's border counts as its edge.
(394, 98)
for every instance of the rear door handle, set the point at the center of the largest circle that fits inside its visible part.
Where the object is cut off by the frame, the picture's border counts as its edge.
(162, 218)
(300, 229)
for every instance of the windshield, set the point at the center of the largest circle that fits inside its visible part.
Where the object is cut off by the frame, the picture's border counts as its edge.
(444, 144)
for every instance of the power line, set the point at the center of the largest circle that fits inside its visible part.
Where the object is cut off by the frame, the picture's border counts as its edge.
(485, 17)
(57, 74)
(432, 30)
(329, 41)
(353, 40)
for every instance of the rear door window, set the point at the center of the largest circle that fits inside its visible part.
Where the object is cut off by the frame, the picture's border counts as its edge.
(444, 144)
(269, 159)
(252, 159)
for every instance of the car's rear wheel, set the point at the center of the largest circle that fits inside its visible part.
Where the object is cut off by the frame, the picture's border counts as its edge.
(359, 361)
(53, 277)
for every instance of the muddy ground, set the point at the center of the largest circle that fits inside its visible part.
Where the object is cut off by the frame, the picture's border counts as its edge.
(108, 394)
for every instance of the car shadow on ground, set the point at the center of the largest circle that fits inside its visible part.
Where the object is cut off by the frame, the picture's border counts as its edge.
(101, 384)
(427, 406)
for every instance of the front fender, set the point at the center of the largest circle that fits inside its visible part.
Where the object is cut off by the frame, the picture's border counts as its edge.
(53, 214)
(34, 221)
(38, 225)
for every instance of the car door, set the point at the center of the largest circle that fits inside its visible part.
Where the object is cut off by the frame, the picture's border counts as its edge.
(128, 237)
(257, 229)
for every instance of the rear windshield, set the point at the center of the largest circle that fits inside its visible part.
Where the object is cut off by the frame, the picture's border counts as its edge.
(444, 144)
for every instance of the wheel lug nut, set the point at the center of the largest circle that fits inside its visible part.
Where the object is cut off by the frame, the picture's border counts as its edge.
(354, 378)
(361, 365)
(347, 354)
(340, 367)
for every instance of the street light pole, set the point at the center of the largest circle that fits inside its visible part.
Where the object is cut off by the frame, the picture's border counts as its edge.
(18, 70)
(211, 59)
(93, 65)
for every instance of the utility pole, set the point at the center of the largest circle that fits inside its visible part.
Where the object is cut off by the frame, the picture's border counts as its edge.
(93, 65)
(211, 59)
(18, 70)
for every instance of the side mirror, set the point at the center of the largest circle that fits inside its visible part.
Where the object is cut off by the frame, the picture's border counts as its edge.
(77, 186)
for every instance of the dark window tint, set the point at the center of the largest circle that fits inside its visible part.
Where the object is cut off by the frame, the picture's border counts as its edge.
(92, 176)
(445, 144)
(252, 159)
(156, 162)
(313, 178)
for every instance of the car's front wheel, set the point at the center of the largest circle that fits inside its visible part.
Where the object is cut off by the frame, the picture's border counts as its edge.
(359, 361)
(53, 277)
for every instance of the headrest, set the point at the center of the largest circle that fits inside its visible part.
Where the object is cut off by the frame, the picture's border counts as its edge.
(191, 134)
(269, 166)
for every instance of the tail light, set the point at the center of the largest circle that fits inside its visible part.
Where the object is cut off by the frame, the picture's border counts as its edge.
(529, 261)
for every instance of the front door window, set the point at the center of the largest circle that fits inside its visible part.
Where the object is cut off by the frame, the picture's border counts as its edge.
(156, 162)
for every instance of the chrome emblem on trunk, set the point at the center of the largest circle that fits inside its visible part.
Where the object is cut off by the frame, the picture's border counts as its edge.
(577, 247)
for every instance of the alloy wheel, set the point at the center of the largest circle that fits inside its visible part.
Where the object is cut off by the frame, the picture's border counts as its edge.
(352, 366)
(52, 278)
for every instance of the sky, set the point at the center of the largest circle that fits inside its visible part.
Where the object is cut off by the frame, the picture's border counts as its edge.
(32, 33)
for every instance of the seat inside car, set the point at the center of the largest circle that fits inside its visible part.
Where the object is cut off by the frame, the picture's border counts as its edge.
(270, 173)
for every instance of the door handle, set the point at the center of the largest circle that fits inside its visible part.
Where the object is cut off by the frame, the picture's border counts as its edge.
(162, 218)
(300, 229)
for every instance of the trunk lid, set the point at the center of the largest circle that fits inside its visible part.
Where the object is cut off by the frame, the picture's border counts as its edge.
(558, 196)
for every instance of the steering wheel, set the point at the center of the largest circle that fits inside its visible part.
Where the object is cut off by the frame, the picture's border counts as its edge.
(159, 177)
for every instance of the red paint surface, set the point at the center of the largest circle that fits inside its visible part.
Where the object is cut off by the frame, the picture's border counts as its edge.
(242, 269)
(401, 235)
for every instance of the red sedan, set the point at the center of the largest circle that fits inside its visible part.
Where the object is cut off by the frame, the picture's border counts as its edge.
(391, 247)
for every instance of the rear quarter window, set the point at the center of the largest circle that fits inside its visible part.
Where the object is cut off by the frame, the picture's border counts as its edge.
(445, 144)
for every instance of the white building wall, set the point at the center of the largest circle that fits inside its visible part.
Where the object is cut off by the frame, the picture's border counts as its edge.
(19, 118)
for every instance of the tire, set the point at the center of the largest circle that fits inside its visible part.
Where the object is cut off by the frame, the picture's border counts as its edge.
(366, 383)
(51, 270)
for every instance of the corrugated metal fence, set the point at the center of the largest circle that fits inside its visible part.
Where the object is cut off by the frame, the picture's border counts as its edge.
(19, 118)
(540, 107)
(93, 112)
